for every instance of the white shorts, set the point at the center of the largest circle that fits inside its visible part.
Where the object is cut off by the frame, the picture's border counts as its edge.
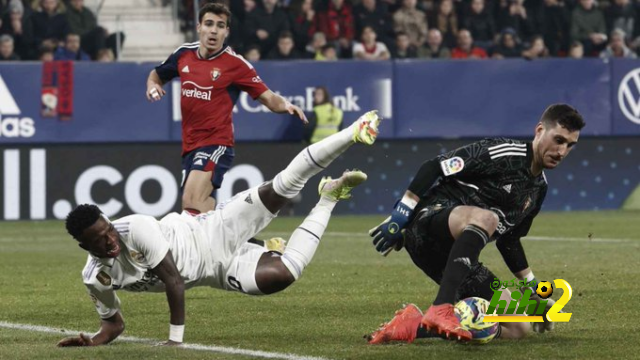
(229, 228)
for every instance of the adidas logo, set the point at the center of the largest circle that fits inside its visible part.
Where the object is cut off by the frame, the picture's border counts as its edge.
(198, 162)
(248, 199)
(463, 260)
(13, 125)
(507, 188)
(185, 69)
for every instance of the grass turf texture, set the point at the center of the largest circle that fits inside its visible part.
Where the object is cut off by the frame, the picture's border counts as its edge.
(346, 292)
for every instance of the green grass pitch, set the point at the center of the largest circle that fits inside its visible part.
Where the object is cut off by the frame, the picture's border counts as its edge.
(346, 292)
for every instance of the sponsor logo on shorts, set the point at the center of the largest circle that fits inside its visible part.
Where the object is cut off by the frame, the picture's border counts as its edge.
(452, 166)
(104, 278)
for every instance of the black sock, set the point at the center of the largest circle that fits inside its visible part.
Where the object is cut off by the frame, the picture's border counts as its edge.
(464, 253)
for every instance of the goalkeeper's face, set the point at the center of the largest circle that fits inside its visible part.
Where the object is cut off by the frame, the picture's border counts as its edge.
(101, 239)
(552, 144)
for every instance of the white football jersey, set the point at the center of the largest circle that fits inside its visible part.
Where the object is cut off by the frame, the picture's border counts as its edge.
(144, 243)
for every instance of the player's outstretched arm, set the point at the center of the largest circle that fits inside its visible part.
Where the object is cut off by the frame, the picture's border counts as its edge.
(110, 329)
(170, 276)
(155, 91)
(280, 105)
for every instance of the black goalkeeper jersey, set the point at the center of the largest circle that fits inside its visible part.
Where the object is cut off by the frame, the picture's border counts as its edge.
(493, 174)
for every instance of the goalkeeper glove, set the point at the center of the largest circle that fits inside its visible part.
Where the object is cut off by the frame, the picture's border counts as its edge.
(389, 234)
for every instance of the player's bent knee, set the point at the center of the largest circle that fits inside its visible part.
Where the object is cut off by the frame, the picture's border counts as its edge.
(272, 275)
(486, 219)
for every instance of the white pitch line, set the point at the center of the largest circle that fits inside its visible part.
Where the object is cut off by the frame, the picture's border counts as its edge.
(528, 238)
(200, 347)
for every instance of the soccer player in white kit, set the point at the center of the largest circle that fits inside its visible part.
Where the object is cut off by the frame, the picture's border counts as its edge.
(216, 249)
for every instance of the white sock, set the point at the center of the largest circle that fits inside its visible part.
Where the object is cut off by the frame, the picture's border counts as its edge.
(311, 161)
(305, 239)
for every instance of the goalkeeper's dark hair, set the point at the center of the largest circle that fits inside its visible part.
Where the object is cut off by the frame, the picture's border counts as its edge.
(565, 115)
(81, 218)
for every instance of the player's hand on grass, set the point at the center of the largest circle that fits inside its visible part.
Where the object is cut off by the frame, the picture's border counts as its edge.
(155, 92)
(294, 110)
(80, 340)
(389, 234)
(541, 327)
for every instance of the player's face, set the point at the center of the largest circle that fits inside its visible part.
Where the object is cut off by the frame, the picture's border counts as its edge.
(212, 30)
(553, 144)
(101, 239)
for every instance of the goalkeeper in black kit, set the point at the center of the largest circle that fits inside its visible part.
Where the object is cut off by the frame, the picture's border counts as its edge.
(457, 203)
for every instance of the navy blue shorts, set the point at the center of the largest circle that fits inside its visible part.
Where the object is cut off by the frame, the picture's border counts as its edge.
(215, 158)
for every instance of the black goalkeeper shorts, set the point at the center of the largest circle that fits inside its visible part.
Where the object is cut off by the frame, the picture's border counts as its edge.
(428, 241)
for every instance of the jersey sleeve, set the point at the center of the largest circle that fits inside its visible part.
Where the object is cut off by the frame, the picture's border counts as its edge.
(147, 238)
(485, 157)
(98, 283)
(169, 68)
(251, 83)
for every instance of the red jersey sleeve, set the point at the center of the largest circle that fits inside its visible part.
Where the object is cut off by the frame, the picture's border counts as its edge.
(251, 83)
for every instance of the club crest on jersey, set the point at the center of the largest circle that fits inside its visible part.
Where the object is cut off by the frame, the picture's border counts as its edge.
(104, 278)
(452, 166)
(527, 203)
(215, 74)
(136, 256)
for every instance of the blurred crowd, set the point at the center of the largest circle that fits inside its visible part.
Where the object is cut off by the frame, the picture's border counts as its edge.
(430, 29)
(53, 30)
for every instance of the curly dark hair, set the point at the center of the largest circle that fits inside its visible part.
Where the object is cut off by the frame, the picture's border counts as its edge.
(565, 115)
(80, 218)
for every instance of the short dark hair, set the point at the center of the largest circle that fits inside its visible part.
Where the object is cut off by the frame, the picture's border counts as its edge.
(80, 218)
(565, 115)
(215, 8)
(286, 34)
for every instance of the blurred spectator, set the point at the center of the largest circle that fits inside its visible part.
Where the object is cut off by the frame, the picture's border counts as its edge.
(83, 22)
(252, 53)
(45, 52)
(589, 27)
(404, 49)
(576, 50)
(370, 13)
(105, 55)
(412, 22)
(508, 45)
(621, 14)
(513, 14)
(329, 53)
(326, 118)
(536, 50)
(302, 18)
(50, 25)
(7, 49)
(434, 48)
(552, 21)
(466, 49)
(17, 23)
(284, 50)
(446, 21)
(617, 47)
(264, 24)
(71, 49)
(480, 23)
(369, 48)
(314, 49)
(336, 22)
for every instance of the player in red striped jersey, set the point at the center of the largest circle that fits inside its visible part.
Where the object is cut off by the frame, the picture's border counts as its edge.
(212, 76)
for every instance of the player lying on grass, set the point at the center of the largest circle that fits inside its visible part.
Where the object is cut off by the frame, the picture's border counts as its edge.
(216, 249)
(461, 200)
